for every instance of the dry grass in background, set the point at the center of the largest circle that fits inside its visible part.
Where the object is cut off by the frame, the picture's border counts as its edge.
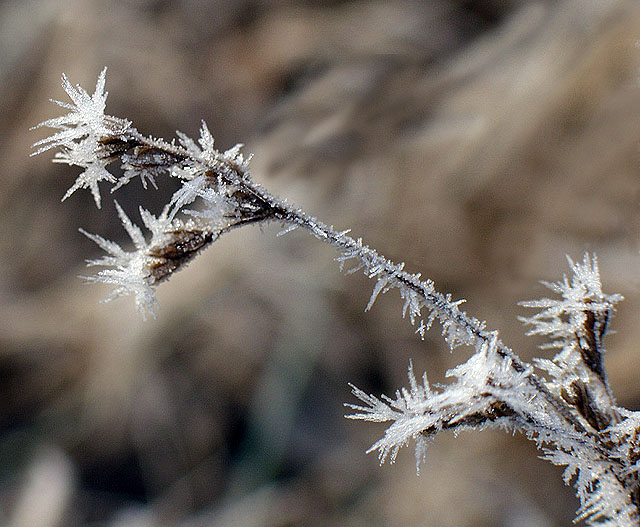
(477, 141)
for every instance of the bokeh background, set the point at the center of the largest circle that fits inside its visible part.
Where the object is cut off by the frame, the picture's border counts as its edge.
(478, 141)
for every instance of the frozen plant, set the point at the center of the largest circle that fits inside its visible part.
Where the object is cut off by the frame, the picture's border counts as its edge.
(565, 404)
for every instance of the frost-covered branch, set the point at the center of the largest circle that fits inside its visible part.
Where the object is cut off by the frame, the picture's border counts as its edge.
(602, 454)
(572, 416)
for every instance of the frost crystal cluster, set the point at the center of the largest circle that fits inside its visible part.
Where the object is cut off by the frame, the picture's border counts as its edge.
(564, 404)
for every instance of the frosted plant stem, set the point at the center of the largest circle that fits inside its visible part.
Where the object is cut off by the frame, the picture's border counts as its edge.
(570, 412)
(441, 306)
(445, 310)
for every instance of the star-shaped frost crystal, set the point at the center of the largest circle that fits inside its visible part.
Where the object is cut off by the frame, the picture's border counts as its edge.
(81, 133)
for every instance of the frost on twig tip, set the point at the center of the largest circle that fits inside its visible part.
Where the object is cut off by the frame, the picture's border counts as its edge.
(576, 325)
(82, 135)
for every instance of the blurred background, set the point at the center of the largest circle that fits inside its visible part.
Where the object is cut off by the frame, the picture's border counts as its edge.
(478, 141)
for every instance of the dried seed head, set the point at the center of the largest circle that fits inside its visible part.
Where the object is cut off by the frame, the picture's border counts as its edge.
(181, 247)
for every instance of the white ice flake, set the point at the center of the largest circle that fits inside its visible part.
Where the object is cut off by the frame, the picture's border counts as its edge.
(80, 133)
(217, 208)
(95, 171)
(187, 194)
(562, 319)
(86, 117)
(206, 143)
(235, 156)
(576, 324)
(127, 271)
(204, 149)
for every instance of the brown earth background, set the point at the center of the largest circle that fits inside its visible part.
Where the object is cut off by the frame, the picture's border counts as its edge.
(479, 142)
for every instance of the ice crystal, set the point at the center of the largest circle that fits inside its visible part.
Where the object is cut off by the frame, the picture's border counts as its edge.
(128, 271)
(563, 319)
(80, 134)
